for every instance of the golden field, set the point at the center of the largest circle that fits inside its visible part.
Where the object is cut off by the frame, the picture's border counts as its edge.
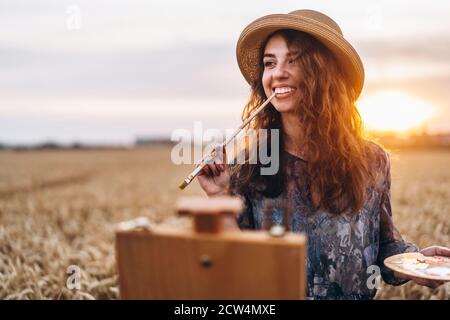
(59, 208)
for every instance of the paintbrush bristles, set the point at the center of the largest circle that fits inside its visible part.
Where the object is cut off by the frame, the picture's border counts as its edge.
(183, 185)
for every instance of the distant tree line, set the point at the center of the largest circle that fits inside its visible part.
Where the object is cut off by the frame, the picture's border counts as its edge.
(437, 141)
(388, 140)
(49, 145)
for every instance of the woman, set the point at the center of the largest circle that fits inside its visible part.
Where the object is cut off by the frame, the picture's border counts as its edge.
(332, 184)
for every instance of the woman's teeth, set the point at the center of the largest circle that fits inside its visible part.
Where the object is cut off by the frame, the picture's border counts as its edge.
(283, 90)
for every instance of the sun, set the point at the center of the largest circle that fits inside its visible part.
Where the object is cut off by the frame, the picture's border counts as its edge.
(394, 111)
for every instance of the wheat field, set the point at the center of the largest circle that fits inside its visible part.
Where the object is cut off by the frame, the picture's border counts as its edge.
(59, 208)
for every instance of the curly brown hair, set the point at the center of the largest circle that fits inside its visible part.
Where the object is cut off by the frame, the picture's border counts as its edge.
(339, 156)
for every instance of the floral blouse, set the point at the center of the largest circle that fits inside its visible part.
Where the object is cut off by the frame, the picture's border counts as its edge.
(343, 252)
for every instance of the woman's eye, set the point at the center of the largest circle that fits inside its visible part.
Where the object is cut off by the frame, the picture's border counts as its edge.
(268, 64)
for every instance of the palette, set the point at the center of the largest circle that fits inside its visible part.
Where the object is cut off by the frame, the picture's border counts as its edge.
(417, 265)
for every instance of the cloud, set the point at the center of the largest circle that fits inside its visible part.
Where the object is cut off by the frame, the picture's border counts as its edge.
(208, 71)
(413, 48)
(172, 51)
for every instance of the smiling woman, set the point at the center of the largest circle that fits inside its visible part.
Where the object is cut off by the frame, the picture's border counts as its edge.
(333, 184)
(394, 111)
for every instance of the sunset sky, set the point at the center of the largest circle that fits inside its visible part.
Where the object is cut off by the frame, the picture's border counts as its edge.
(108, 71)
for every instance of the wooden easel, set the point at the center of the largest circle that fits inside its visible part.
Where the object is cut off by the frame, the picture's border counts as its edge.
(213, 260)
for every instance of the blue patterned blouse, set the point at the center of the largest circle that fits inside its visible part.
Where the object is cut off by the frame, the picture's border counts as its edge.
(344, 253)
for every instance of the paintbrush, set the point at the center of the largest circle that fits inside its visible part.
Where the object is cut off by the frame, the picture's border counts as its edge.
(209, 157)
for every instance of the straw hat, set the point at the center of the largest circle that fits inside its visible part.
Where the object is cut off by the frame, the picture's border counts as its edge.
(318, 25)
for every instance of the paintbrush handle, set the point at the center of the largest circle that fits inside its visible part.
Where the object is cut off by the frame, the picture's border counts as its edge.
(208, 158)
(247, 121)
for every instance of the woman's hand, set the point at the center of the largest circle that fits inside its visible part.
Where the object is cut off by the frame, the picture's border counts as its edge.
(430, 251)
(215, 176)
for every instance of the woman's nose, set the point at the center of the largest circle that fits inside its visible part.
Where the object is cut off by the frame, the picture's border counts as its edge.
(280, 71)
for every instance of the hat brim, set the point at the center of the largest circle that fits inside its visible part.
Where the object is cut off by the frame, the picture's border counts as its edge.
(254, 35)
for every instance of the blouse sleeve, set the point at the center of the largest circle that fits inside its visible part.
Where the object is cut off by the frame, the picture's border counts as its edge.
(391, 241)
(245, 218)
